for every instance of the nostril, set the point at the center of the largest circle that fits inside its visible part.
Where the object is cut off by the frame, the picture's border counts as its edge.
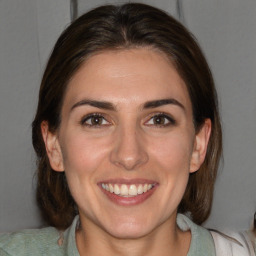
(129, 150)
(128, 160)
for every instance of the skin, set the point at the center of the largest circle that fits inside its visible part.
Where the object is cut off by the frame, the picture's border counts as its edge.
(128, 143)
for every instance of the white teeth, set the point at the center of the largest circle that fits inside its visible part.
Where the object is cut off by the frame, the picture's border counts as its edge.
(133, 190)
(124, 190)
(116, 189)
(140, 189)
(127, 190)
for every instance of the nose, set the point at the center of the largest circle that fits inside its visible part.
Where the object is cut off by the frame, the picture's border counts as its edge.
(129, 149)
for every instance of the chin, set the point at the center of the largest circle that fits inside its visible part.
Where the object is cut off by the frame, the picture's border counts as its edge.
(129, 228)
(129, 232)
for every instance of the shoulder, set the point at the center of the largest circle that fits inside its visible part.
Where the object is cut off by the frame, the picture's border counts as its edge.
(30, 242)
(234, 243)
(40, 242)
(201, 238)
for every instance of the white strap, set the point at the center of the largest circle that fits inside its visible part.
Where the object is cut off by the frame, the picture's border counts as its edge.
(235, 244)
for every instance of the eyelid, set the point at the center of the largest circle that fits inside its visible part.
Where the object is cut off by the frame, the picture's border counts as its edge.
(171, 120)
(91, 115)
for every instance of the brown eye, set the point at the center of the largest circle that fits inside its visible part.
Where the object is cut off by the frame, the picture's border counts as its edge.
(161, 120)
(94, 120)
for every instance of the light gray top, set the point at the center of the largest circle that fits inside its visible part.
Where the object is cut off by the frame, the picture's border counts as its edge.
(50, 241)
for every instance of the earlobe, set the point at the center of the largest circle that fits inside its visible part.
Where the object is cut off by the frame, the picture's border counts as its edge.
(52, 148)
(200, 146)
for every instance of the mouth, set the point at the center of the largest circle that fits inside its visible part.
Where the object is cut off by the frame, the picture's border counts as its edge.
(124, 190)
(128, 193)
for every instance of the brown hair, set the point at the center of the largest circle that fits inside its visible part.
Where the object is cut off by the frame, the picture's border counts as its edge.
(122, 27)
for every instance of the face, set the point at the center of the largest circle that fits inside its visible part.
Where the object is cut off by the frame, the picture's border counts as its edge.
(127, 141)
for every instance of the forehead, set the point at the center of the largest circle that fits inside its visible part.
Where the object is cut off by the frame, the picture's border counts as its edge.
(125, 76)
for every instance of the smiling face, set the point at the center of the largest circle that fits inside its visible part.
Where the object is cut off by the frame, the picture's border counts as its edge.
(127, 142)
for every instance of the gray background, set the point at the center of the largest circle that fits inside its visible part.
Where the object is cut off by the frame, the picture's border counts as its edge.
(226, 31)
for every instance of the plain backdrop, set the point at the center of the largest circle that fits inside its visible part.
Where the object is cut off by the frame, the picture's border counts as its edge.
(226, 31)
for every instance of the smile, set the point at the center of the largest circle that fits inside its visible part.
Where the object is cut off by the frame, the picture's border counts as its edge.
(124, 190)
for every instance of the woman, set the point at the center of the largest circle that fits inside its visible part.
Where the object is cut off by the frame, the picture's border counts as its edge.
(128, 139)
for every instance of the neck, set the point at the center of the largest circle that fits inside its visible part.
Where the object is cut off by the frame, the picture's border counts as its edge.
(165, 240)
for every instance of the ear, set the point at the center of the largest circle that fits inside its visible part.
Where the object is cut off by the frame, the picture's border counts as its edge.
(52, 148)
(200, 146)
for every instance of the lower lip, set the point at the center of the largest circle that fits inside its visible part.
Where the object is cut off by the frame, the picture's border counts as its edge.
(129, 201)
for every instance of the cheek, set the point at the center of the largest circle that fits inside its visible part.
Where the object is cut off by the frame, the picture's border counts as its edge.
(173, 157)
(82, 154)
(173, 152)
(82, 159)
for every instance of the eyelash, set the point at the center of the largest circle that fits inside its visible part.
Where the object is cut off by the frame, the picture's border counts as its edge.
(90, 117)
(170, 120)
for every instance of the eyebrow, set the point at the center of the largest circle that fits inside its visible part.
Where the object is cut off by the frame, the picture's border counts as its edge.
(162, 102)
(109, 106)
(94, 103)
